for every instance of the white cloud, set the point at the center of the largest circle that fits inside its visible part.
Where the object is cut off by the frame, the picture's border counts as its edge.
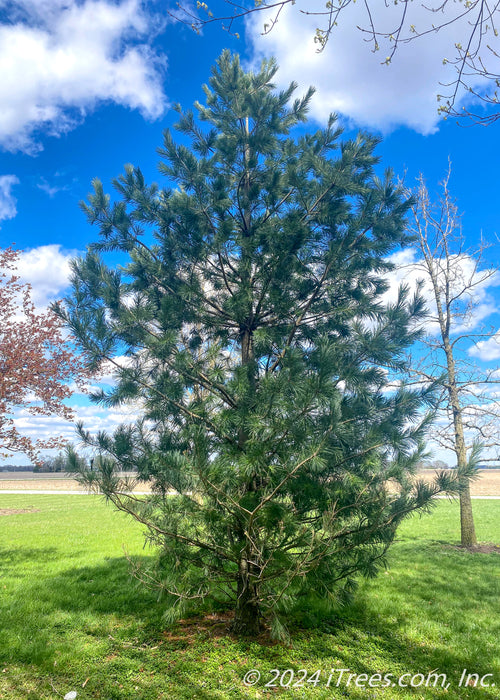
(487, 350)
(59, 59)
(50, 190)
(95, 419)
(7, 200)
(409, 269)
(47, 269)
(350, 78)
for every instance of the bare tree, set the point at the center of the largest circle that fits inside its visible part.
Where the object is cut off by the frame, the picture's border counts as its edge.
(455, 280)
(475, 56)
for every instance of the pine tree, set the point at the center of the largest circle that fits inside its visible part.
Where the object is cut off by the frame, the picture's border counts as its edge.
(246, 325)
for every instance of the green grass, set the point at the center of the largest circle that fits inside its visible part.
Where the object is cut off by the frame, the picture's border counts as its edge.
(70, 612)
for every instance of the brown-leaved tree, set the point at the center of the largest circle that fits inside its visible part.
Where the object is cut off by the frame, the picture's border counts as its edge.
(36, 362)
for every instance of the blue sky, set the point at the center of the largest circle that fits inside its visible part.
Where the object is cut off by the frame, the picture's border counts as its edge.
(87, 86)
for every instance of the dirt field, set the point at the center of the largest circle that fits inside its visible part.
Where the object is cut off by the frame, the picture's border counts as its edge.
(488, 483)
(51, 483)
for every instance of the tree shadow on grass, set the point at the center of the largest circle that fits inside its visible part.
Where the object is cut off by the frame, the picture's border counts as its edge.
(12, 558)
(436, 583)
(97, 621)
(442, 612)
(48, 612)
(105, 589)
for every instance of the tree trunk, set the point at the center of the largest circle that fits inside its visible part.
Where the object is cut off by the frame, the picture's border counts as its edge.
(468, 531)
(247, 612)
(445, 318)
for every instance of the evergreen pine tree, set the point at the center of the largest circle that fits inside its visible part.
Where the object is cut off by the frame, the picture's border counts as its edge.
(246, 323)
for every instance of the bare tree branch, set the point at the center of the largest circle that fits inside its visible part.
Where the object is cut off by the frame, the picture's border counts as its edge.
(475, 58)
(454, 278)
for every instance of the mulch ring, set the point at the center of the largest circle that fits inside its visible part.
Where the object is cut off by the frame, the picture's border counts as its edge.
(486, 548)
(16, 511)
(214, 625)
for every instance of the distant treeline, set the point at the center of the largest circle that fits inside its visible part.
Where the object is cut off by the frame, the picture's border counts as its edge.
(438, 464)
(17, 468)
(57, 463)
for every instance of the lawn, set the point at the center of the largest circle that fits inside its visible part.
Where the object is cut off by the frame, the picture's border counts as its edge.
(71, 618)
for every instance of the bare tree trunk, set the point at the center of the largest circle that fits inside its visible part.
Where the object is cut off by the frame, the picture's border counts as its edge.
(467, 529)
(438, 263)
